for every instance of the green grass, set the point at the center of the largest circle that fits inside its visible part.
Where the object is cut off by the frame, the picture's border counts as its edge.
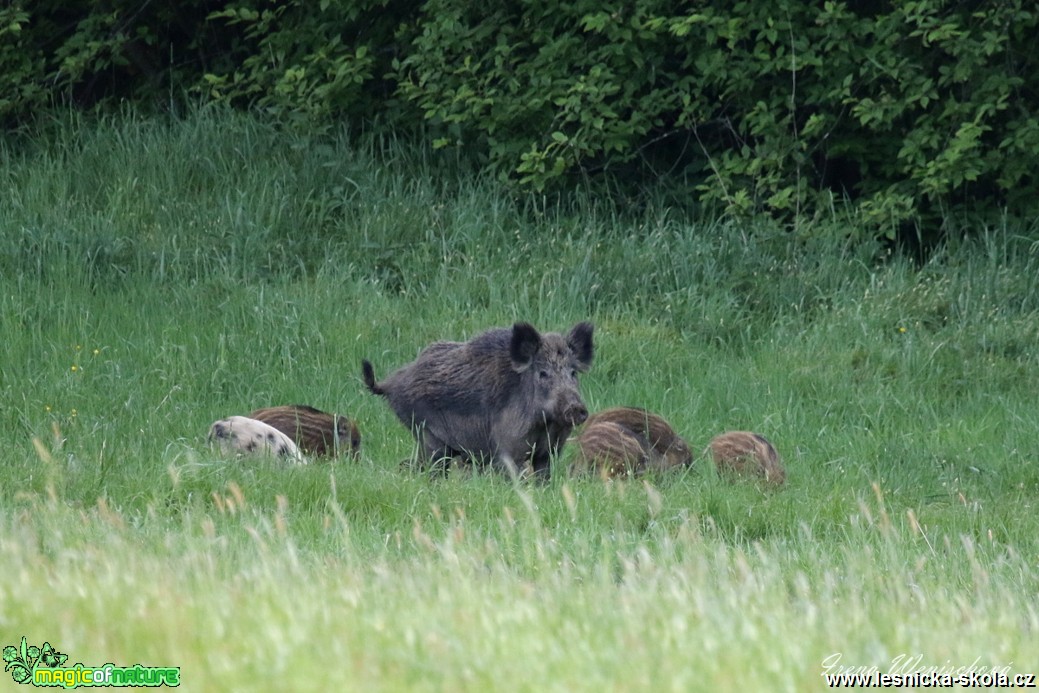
(157, 276)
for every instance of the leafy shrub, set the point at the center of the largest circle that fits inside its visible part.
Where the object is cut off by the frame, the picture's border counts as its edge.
(913, 112)
(309, 61)
(910, 109)
(299, 60)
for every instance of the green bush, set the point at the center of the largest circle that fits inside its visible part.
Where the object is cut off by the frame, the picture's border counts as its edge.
(298, 60)
(314, 62)
(83, 53)
(912, 110)
(910, 113)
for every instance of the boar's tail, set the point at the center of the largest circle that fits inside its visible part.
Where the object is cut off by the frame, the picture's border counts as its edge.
(369, 378)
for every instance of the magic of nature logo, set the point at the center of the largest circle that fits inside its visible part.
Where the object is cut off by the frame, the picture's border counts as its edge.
(44, 666)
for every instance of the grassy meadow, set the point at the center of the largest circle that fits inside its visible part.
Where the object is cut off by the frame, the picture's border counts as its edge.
(156, 276)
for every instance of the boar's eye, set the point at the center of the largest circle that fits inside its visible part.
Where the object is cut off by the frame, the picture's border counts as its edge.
(543, 374)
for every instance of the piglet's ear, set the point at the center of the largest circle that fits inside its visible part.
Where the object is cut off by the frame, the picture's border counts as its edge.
(580, 342)
(525, 344)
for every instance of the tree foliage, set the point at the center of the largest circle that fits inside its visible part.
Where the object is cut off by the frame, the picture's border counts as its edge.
(314, 61)
(910, 110)
(907, 108)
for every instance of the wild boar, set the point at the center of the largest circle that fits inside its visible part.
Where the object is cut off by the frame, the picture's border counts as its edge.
(610, 450)
(242, 435)
(508, 396)
(667, 448)
(743, 453)
(315, 432)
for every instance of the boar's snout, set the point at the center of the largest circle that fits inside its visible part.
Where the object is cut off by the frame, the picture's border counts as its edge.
(575, 414)
(570, 409)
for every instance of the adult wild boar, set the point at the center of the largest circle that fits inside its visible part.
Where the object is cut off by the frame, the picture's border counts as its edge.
(508, 396)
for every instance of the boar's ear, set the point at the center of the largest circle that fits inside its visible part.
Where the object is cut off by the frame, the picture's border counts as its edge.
(580, 342)
(524, 345)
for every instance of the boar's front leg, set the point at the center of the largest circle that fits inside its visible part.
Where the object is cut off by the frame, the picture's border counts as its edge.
(516, 467)
(547, 449)
(541, 464)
